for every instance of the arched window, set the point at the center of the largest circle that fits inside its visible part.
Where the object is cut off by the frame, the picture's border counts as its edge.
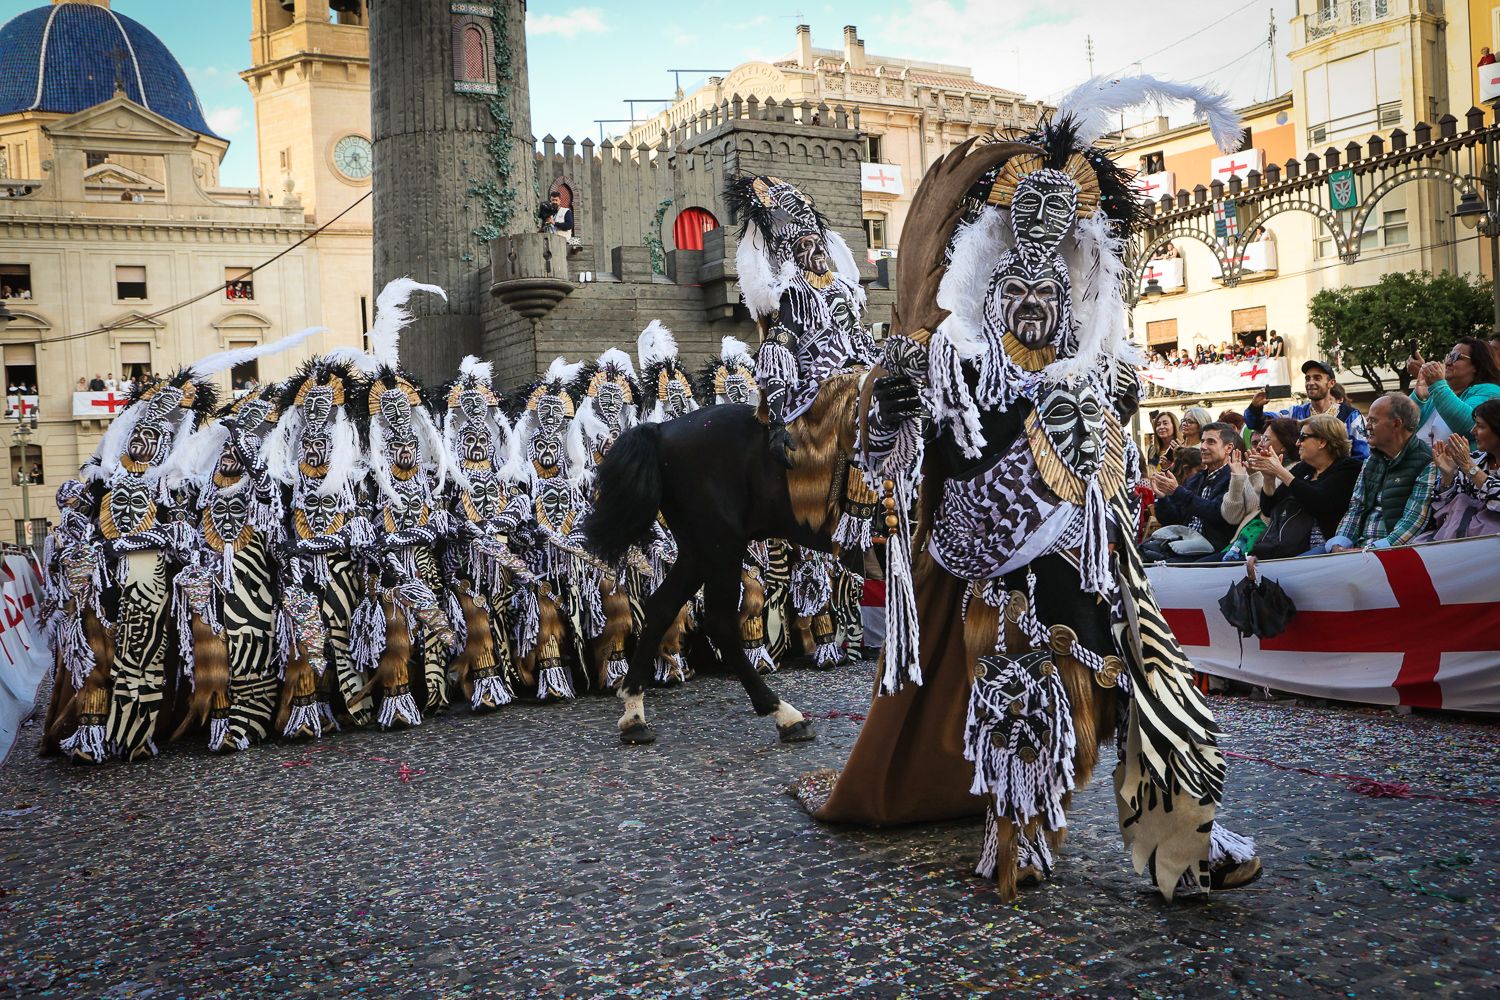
(473, 55)
(691, 224)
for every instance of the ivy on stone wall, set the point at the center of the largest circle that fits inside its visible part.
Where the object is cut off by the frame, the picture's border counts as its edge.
(496, 194)
(653, 239)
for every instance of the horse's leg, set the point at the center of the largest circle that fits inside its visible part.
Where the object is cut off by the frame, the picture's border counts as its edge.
(721, 606)
(661, 606)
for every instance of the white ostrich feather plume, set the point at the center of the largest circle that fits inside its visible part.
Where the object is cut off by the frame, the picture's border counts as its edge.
(618, 358)
(472, 367)
(225, 360)
(1095, 106)
(392, 316)
(655, 343)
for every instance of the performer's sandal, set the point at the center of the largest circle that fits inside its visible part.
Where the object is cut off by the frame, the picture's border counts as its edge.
(1231, 874)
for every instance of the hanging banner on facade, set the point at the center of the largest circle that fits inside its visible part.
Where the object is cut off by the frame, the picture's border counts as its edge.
(23, 652)
(21, 406)
(98, 405)
(1404, 626)
(1167, 271)
(1152, 187)
(1343, 192)
(1221, 168)
(880, 178)
(1226, 221)
(1229, 376)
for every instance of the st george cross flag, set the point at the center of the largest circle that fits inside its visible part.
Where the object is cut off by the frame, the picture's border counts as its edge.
(1229, 376)
(23, 651)
(1414, 625)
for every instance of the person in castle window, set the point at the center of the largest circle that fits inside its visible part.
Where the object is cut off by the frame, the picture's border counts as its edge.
(562, 216)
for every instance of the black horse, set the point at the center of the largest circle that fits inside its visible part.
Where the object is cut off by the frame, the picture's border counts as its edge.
(715, 480)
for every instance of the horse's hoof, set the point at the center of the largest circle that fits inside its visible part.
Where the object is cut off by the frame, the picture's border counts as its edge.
(637, 734)
(797, 732)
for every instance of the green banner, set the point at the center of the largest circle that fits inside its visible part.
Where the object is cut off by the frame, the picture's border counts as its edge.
(1343, 193)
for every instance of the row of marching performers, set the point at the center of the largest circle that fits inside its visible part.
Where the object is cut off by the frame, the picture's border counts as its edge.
(347, 547)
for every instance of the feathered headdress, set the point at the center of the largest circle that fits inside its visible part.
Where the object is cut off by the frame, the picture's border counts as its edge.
(657, 349)
(733, 359)
(392, 316)
(773, 215)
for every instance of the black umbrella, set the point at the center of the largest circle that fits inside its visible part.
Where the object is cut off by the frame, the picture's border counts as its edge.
(1257, 606)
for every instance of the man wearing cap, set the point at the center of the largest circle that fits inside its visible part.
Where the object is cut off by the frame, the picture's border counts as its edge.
(1319, 382)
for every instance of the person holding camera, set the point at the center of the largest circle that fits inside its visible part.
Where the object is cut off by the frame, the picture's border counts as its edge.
(1318, 384)
(556, 217)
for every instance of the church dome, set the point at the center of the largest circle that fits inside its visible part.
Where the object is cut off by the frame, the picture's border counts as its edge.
(69, 56)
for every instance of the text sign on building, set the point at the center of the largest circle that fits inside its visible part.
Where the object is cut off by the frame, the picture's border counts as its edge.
(880, 178)
(1151, 187)
(1236, 165)
(1343, 193)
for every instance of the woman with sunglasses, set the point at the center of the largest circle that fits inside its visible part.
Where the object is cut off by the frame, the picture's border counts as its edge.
(1448, 391)
(1305, 502)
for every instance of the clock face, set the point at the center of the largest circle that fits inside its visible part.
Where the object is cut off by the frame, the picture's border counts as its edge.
(352, 157)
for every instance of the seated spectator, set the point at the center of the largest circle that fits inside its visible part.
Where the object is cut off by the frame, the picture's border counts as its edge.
(83, 385)
(1448, 391)
(1468, 500)
(1318, 381)
(1242, 503)
(1192, 523)
(96, 384)
(1486, 57)
(1393, 495)
(1193, 421)
(1164, 441)
(1304, 499)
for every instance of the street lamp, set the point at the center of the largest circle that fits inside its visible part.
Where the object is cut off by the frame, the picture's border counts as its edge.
(1153, 290)
(25, 426)
(1475, 213)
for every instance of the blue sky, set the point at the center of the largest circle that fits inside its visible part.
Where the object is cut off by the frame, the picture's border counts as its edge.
(585, 57)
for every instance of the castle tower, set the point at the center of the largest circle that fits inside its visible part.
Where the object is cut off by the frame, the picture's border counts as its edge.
(310, 79)
(451, 123)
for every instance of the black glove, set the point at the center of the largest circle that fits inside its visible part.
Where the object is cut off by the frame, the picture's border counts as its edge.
(781, 444)
(896, 401)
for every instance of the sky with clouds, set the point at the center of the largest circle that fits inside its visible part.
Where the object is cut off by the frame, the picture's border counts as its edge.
(586, 57)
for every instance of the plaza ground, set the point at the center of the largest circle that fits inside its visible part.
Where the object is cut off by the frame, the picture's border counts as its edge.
(528, 854)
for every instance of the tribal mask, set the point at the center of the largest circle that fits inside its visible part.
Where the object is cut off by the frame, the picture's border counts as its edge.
(1074, 422)
(551, 414)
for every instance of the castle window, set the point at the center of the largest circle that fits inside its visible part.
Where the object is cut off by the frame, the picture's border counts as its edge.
(691, 224)
(130, 282)
(347, 11)
(872, 149)
(875, 231)
(245, 375)
(15, 281)
(473, 50)
(238, 284)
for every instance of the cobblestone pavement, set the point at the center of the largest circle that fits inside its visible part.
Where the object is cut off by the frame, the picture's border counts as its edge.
(527, 854)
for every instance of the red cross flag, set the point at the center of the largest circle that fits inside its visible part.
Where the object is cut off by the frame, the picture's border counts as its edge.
(1151, 187)
(880, 178)
(1407, 626)
(98, 405)
(1237, 165)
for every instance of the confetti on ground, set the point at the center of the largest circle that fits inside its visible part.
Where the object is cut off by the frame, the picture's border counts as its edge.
(537, 857)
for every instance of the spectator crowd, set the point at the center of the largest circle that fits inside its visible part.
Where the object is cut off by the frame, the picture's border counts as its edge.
(1321, 476)
(1263, 346)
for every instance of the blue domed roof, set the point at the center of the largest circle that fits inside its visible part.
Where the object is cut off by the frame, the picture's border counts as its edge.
(69, 56)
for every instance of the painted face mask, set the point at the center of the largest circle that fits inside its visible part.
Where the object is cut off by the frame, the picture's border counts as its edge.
(609, 401)
(1043, 209)
(1074, 424)
(476, 444)
(677, 398)
(550, 414)
(737, 389)
(1030, 305)
(317, 407)
(811, 254)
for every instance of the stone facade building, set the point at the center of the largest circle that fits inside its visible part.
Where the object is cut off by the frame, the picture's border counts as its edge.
(911, 113)
(112, 228)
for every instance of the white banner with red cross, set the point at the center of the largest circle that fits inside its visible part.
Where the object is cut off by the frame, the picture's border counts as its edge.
(98, 405)
(24, 659)
(1221, 168)
(1227, 376)
(1415, 625)
(1167, 271)
(1152, 187)
(880, 178)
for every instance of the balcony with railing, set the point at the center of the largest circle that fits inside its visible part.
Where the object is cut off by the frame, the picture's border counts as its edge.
(1333, 16)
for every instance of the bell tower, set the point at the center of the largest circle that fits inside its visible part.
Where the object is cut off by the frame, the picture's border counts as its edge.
(309, 76)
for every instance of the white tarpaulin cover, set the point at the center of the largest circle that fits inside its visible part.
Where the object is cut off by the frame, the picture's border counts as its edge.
(23, 654)
(1417, 625)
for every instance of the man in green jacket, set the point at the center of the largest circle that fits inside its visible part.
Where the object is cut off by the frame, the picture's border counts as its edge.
(1393, 495)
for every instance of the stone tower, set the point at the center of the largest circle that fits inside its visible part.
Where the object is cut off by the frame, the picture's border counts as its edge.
(450, 116)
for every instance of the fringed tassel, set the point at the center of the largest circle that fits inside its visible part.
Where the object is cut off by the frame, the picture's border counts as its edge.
(86, 740)
(325, 712)
(853, 533)
(70, 643)
(401, 706)
(457, 623)
(527, 620)
(553, 682)
(949, 398)
(760, 659)
(303, 719)
(615, 671)
(901, 662)
(1019, 735)
(989, 855)
(1226, 845)
(774, 363)
(1094, 568)
(827, 655)
(811, 588)
(491, 692)
(218, 734)
(670, 669)
(367, 634)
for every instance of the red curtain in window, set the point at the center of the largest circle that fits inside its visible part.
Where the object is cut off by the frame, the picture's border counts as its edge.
(691, 224)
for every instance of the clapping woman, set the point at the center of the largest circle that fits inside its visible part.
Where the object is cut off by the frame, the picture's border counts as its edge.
(1468, 500)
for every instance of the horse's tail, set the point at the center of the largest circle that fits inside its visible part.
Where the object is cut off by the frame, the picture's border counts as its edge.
(627, 494)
